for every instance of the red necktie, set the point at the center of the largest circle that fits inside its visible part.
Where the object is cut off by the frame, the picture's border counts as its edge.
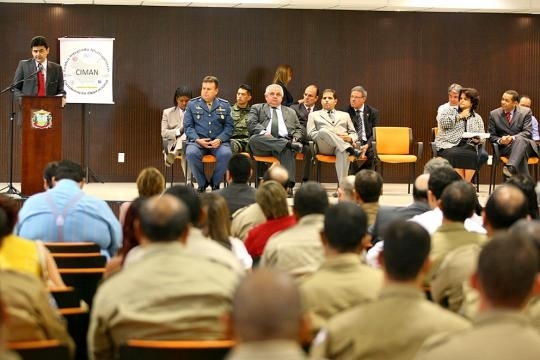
(508, 117)
(41, 84)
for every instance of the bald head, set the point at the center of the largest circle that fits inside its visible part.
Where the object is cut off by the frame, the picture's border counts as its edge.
(420, 187)
(266, 306)
(277, 173)
(505, 206)
(164, 218)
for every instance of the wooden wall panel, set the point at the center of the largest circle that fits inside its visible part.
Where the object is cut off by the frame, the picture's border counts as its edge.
(405, 60)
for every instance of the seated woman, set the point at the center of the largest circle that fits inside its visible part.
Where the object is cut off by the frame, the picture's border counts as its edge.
(461, 153)
(216, 225)
(27, 256)
(172, 125)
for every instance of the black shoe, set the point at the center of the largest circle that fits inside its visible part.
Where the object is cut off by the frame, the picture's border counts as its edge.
(290, 192)
(354, 152)
(202, 189)
(295, 146)
(215, 187)
(509, 171)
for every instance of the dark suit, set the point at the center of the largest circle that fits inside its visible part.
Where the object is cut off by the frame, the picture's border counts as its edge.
(54, 79)
(522, 147)
(371, 119)
(258, 119)
(302, 114)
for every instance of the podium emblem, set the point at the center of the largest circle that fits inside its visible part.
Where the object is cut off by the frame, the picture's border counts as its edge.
(41, 119)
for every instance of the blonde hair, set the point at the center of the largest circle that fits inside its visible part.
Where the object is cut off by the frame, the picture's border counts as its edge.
(150, 182)
(272, 198)
(282, 74)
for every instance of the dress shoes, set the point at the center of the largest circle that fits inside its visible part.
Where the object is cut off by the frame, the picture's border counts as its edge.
(202, 189)
(354, 152)
(509, 171)
(215, 187)
(296, 146)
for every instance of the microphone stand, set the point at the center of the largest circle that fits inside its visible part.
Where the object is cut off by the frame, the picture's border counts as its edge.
(11, 190)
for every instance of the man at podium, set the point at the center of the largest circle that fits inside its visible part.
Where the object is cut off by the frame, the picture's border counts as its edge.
(38, 76)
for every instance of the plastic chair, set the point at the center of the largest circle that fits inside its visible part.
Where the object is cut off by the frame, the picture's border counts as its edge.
(319, 159)
(79, 260)
(394, 145)
(72, 247)
(40, 350)
(175, 350)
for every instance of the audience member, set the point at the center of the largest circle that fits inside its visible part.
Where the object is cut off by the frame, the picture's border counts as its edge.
(333, 133)
(211, 136)
(373, 329)
(239, 193)
(249, 216)
(217, 226)
(506, 205)
(510, 127)
(66, 213)
(457, 204)
(150, 182)
(282, 77)
(525, 101)
(462, 153)
(527, 184)
(130, 238)
(162, 295)
(239, 114)
(368, 188)
(305, 107)
(18, 254)
(272, 199)
(267, 321)
(435, 163)
(364, 118)
(439, 178)
(346, 189)
(4, 353)
(197, 243)
(342, 281)
(29, 310)
(453, 100)
(49, 174)
(172, 125)
(275, 130)
(505, 276)
(298, 250)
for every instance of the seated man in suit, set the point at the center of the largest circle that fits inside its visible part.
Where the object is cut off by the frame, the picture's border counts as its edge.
(364, 118)
(209, 127)
(510, 127)
(334, 133)
(305, 107)
(275, 130)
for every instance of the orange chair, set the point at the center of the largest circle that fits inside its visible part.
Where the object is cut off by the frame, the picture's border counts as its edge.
(321, 158)
(40, 350)
(501, 160)
(72, 247)
(394, 145)
(174, 350)
(262, 159)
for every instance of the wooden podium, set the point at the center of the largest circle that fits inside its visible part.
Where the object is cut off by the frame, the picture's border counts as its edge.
(41, 139)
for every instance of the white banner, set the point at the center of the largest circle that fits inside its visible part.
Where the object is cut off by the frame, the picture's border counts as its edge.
(88, 69)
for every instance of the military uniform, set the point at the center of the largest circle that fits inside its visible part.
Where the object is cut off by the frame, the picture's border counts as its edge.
(341, 283)
(496, 334)
(167, 294)
(392, 327)
(267, 350)
(245, 219)
(211, 122)
(297, 250)
(533, 312)
(240, 135)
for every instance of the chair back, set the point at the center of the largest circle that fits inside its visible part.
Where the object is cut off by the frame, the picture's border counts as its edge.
(40, 350)
(175, 350)
(72, 247)
(79, 260)
(392, 140)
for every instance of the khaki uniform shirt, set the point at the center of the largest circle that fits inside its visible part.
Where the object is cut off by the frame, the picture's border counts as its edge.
(371, 210)
(166, 294)
(245, 219)
(533, 312)
(496, 335)
(30, 314)
(341, 283)
(448, 237)
(267, 350)
(297, 250)
(392, 327)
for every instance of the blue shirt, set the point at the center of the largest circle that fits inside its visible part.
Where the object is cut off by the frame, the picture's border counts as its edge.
(82, 217)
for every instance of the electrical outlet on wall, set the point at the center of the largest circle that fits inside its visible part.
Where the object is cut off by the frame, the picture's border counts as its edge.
(121, 157)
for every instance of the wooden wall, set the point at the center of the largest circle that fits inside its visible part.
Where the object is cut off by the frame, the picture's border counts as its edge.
(405, 60)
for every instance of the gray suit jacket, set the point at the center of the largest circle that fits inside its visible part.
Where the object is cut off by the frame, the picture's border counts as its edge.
(342, 124)
(260, 114)
(520, 126)
(54, 82)
(172, 119)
